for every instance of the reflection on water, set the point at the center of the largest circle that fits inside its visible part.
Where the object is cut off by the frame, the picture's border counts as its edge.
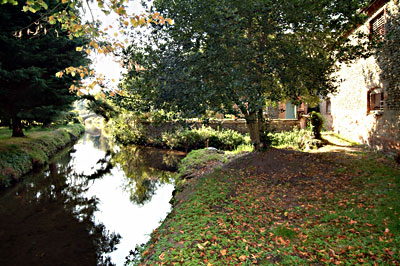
(89, 206)
(145, 169)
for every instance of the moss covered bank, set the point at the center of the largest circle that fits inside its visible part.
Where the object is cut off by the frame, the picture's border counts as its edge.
(18, 156)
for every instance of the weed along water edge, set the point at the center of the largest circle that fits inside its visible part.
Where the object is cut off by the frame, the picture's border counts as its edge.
(91, 205)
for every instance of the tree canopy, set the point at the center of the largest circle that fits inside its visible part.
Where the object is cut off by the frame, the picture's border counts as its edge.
(231, 56)
(85, 22)
(30, 90)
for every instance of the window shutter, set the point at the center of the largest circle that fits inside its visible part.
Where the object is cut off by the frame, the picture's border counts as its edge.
(378, 26)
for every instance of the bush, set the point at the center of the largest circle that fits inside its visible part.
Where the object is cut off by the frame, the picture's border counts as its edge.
(190, 139)
(316, 122)
(126, 129)
(289, 139)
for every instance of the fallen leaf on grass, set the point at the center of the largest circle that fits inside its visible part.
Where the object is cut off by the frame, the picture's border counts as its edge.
(145, 252)
(386, 231)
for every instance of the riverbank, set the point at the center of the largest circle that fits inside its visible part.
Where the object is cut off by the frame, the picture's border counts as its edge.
(336, 206)
(18, 156)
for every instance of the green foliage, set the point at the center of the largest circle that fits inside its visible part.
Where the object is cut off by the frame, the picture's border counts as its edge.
(126, 129)
(30, 90)
(289, 139)
(232, 56)
(241, 149)
(140, 166)
(100, 106)
(19, 156)
(63, 118)
(283, 231)
(190, 139)
(316, 122)
(158, 117)
(157, 129)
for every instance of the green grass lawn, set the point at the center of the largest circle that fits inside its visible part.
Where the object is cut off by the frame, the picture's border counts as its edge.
(5, 132)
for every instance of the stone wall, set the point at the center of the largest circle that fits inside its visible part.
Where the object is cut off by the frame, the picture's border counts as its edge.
(350, 114)
(280, 125)
(239, 125)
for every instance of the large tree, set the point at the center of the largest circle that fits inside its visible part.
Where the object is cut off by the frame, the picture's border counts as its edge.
(230, 55)
(29, 88)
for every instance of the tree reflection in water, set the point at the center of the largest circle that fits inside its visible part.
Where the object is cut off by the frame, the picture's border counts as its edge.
(84, 208)
(145, 169)
(48, 220)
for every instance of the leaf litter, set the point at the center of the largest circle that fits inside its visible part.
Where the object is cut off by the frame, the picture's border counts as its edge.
(285, 207)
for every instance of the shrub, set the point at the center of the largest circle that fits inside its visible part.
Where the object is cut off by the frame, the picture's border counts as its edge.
(190, 139)
(126, 129)
(316, 123)
(289, 139)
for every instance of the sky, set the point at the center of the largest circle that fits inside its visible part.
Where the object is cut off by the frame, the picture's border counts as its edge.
(107, 65)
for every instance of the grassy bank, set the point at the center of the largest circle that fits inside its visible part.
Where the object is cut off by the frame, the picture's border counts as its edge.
(18, 156)
(281, 207)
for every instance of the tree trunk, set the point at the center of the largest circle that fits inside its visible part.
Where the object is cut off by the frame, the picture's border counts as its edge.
(254, 130)
(256, 124)
(46, 125)
(261, 127)
(17, 128)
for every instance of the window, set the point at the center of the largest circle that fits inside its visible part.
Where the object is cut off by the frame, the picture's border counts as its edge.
(376, 100)
(377, 26)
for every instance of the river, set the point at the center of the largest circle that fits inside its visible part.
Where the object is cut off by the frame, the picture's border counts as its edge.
(90, 206)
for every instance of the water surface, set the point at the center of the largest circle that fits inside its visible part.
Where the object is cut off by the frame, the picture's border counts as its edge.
(92, 205)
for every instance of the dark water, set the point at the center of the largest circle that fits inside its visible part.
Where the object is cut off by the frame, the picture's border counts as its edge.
(92, 205)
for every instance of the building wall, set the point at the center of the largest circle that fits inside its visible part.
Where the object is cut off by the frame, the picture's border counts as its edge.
(326, 113)
(280, 111)
(350, 114)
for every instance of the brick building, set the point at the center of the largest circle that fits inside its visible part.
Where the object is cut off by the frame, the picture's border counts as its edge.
(366, 107)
